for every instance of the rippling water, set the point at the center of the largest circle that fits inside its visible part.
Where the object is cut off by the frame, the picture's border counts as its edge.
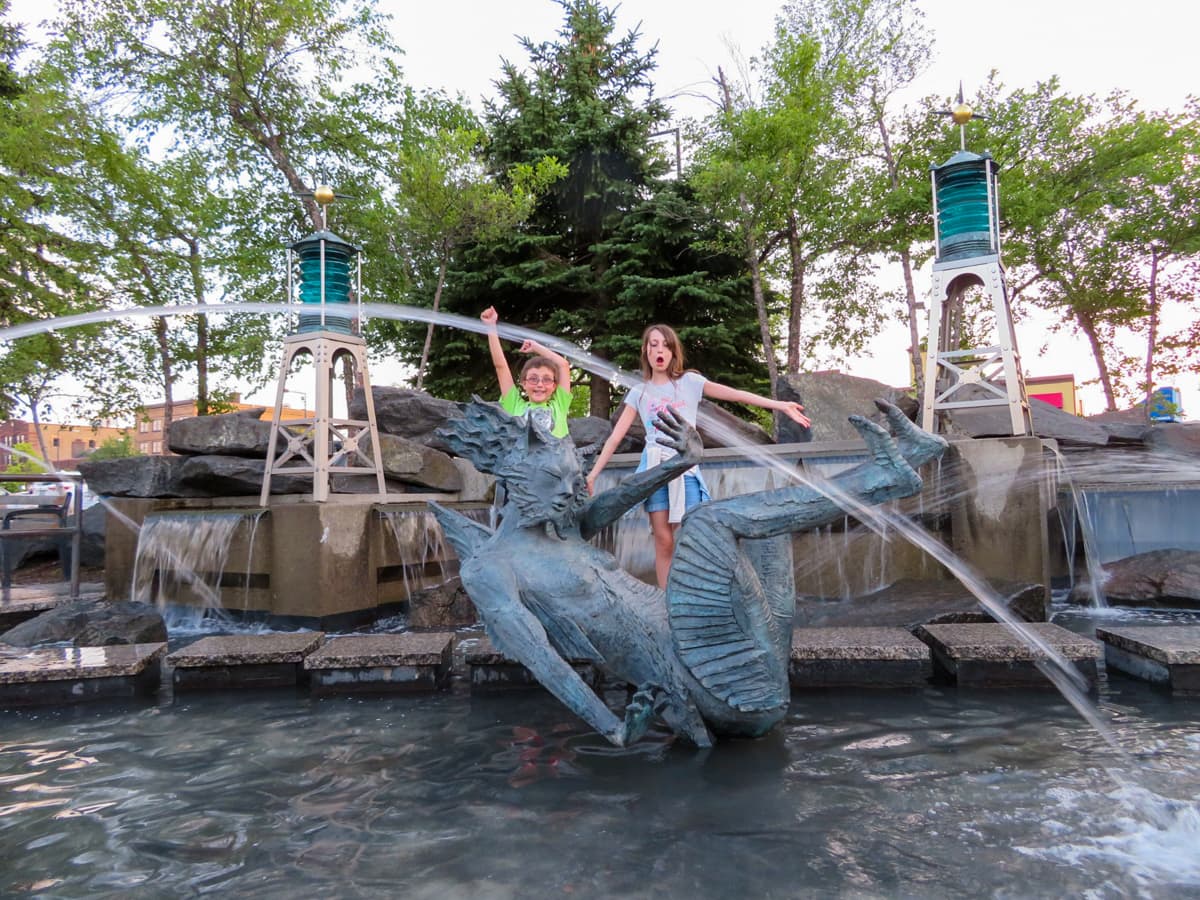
(277, 794)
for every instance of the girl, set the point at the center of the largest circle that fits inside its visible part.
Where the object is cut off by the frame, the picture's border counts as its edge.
(668, 384)
(546, 378)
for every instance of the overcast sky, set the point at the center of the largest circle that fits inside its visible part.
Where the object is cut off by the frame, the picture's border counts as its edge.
(1146, 48)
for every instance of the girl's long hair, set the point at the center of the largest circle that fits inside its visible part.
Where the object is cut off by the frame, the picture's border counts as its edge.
(675, 369)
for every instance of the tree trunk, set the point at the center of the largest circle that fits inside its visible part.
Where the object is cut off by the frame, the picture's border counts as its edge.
(1088, 327)
(168, 373)
(51, 466)
(796, 302)
(437, 300)
(760, 305)
(1152, 333)
(914, 334)
(197, 273)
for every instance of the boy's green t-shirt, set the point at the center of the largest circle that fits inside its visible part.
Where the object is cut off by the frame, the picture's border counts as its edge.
(552, 413)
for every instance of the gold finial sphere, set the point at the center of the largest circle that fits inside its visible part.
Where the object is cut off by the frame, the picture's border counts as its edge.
(961, 114)
(323, 194)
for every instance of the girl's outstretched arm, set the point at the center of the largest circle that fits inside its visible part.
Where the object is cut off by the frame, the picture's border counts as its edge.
(503, 373)
(789, 408)
(628, 414)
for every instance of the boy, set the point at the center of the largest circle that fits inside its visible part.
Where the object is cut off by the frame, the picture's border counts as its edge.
(545, 377)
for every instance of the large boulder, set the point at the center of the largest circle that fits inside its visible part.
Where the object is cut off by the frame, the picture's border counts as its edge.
(1169, 578)
(589, 431)
(90, 623)
(138, 476)
(1180, 439)
(1048, 421)
(829, 399)
(241, 433)
(414, 463)
(407, 413)
(910, 602)
(443, 606)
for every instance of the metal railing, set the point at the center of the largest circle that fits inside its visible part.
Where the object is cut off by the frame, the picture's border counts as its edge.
(45, 505)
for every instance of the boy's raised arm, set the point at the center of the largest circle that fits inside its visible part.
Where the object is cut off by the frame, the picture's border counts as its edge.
(503, 373)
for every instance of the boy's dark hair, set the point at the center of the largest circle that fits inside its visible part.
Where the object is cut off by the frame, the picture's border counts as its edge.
(539, 362)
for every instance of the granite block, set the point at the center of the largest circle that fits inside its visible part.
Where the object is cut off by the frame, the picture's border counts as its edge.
(996, 655)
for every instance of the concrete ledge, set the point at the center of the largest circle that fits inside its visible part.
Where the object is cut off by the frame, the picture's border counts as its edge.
(491, 670)
(1163, 654)
(64, 674)
(879, 657)
(995, 655)
(243, 661)
(408, 662)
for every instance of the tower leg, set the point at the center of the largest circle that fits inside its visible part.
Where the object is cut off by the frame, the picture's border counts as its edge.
(335, 441)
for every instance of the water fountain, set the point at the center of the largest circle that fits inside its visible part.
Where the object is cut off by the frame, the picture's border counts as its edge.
(936, 792)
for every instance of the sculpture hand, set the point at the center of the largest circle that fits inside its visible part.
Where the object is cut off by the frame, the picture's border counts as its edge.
(675, 432)
(641, 708)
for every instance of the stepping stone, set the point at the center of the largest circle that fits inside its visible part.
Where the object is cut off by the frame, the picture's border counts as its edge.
(994, 655)
(491, 670)
(407, 662)
(1163, 654)
(881, 657)
(41, 675)
(243, 661)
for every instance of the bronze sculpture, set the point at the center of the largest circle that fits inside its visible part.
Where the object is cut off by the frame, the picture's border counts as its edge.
(708, 655)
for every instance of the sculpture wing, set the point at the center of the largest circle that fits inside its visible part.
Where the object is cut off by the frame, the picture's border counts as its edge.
(464, 535)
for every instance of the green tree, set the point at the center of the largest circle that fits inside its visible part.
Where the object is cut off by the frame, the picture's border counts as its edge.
(1100, 221)
(448, 200)
(588, 264)
(115, 448)
(24, 460)
(261, 100)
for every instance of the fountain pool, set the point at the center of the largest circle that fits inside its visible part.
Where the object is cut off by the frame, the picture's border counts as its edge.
(932, 793)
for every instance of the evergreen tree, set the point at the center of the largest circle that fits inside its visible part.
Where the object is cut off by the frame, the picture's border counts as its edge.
(611, 247)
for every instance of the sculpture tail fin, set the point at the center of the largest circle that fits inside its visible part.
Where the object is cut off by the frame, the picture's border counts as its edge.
(725, 629)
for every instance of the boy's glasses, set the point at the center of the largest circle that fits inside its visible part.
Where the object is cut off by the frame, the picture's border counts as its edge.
(536, 379)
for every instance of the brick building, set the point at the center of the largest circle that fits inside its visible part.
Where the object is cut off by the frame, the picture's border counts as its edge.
(66, 445)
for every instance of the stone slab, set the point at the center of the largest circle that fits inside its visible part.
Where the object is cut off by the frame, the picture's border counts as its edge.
(491, 670)
(247, 649)
(243, 661)
(64, 674)
(1163, 654)
(995, 655)
(878, 656)
(381, 662)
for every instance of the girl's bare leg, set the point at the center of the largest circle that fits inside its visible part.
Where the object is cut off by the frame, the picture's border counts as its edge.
(664, 544)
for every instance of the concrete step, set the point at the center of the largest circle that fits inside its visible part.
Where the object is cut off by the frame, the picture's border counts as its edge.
(408, 662)
(490, 670)
(995, 655)
(41, 675)
(860, 656)
(243, 661)
(1163, 654)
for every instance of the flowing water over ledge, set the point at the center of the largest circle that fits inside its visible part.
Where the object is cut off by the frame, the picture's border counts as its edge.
(933, 793)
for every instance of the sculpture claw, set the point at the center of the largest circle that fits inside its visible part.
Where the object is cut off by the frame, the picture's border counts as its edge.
(885, 451)
(679, 435)
(916, 445)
